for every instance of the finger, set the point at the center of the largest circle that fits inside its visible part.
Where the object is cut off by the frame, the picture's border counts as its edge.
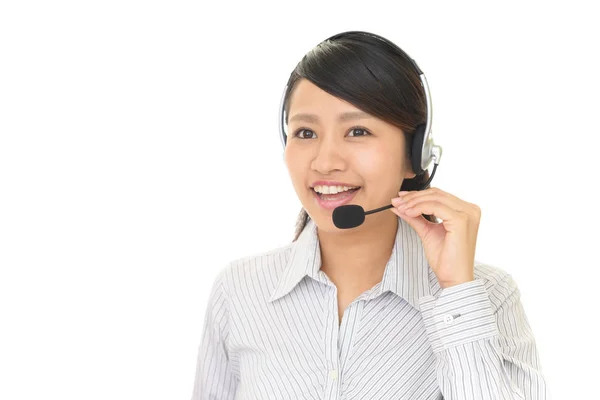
(418, 193)
(433, 189)
(410, 201)
(450, 218)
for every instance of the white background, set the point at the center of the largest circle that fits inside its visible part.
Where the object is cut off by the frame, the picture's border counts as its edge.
(139, 155)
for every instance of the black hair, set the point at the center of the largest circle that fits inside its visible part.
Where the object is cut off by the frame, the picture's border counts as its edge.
(370, 73)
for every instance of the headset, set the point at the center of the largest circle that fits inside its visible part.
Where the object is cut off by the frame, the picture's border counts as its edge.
(423, 150)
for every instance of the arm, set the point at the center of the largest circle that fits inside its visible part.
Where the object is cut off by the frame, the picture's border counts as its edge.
(214, 377)
(483, 343)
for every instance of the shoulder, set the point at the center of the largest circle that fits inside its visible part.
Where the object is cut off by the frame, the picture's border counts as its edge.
(259, 268)
(499, 284)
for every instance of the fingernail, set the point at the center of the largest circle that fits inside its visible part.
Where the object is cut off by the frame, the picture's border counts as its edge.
(396, 201)
(402, 192)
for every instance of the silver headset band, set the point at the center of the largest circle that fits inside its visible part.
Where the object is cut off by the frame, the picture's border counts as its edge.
(281, 118)
(427, 149)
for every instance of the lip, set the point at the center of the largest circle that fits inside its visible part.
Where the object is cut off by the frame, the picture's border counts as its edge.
(332, 183)
(332, 204)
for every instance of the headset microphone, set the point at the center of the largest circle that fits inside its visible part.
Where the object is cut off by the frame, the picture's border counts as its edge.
(422, 150)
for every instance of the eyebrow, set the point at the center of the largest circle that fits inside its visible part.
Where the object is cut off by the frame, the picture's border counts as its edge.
(341, 117)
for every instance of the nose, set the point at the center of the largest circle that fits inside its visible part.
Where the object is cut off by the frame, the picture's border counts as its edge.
(328, 156)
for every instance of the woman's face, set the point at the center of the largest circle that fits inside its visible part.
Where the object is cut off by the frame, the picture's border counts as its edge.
(362, 151)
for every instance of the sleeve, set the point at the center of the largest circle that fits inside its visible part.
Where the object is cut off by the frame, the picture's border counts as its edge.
(484, 345)
(214, 377)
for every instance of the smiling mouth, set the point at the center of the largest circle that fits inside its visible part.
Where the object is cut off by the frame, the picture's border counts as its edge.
(337, 196)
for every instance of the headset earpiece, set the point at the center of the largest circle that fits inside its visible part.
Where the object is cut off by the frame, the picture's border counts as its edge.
(416, 149)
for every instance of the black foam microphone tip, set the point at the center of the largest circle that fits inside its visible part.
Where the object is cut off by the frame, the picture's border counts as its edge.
(348, 216)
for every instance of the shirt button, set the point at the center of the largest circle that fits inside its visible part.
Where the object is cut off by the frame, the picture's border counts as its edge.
(333, 374)
(448, 318)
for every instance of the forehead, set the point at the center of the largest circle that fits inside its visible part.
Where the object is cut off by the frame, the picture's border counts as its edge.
(308, 97)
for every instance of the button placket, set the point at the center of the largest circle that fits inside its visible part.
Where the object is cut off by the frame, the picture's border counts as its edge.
(332, 351)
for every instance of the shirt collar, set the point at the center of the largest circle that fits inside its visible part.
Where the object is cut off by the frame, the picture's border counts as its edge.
(407, 273)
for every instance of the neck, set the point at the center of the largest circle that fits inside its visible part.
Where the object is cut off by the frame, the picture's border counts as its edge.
(357, 257)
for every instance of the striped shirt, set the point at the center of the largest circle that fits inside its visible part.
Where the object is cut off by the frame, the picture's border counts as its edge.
(272, 331)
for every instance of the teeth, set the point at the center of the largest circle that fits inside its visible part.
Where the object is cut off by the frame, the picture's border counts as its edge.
(332, 189)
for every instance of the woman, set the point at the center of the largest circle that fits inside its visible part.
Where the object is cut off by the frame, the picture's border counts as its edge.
(395, 308)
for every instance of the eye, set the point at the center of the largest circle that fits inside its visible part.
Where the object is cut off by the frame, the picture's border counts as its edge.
(364, 132)
(300, 130)
(360, 128)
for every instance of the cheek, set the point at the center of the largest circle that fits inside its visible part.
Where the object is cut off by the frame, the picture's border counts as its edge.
(375, 163)
(369, 166)
(296, 168)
